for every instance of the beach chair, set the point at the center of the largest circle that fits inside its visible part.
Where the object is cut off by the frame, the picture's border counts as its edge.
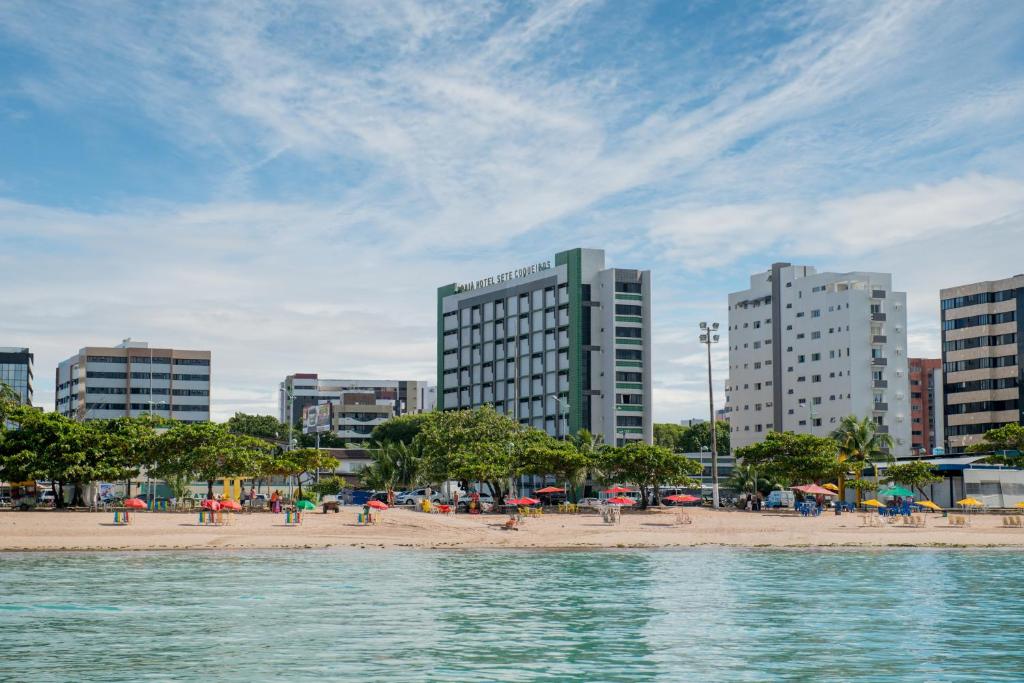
(683, 518)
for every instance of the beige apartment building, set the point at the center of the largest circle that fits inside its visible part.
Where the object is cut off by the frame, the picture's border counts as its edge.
(132, 379)
(982, 345)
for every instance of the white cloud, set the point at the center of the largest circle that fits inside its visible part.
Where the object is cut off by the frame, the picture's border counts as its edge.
(431, 142)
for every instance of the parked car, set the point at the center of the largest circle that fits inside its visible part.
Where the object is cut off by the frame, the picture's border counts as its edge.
(47, 499)
(486, 501)
(593, 503)
(417, 496)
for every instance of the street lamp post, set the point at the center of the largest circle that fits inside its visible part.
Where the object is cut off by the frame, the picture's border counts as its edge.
(709, 336)
(149, 479)
(564, 409)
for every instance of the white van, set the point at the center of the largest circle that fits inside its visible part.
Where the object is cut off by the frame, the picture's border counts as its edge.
(780, 499)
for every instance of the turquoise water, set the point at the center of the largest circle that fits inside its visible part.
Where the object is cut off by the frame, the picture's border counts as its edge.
(698, 614)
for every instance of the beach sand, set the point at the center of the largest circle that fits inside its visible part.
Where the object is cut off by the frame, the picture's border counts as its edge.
(57, 530)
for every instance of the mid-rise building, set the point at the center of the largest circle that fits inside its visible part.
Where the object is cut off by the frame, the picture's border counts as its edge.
(356, 405)
(561, 346)
(807, 349)
(926, 418)
(16, 371)
(133, 379)
(982, 345)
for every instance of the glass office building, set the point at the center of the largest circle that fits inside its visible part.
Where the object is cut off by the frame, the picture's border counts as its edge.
(16, 371)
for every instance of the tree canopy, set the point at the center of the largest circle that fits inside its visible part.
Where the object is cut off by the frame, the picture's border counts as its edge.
(1006, 443)
(691, 439)
(916, 474)
(793, 458)
(648, 467)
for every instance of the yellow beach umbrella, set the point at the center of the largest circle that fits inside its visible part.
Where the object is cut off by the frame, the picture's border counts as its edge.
(1020, 504)
(831, 487)
(874, 503)
(928, 504)
(969, 502)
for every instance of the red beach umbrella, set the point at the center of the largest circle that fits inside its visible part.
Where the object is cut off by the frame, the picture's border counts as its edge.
(618, 489)
(814, 490)
(621, 501)
(522, 501)
(137, 503)
(682, 498)
(230, 505)
(377, 505)
(550, 489)
(210, 504)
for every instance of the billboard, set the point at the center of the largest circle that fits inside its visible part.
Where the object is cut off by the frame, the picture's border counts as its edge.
(316, 418)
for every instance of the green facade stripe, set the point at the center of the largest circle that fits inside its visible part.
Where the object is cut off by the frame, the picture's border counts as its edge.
(573, 261)
(442, 292)
(628, 319)
(629, 364)
(629, 430)
(636, 342)
(629, 385)
(632, 407)
(629, 297)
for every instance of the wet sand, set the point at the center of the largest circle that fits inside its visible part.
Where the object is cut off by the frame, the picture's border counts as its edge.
(57, 530)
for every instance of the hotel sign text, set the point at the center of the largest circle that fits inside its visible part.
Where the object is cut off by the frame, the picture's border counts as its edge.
(503, 277)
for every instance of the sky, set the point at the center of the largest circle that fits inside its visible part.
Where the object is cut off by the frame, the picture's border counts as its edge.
(287, 185)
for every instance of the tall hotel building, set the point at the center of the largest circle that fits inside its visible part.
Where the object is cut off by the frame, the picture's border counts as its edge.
(16, 371)
(133, 379)
(982, 345)
(807, 348)
(560, 346)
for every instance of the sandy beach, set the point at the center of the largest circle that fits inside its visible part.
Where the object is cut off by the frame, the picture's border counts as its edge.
(53, 530)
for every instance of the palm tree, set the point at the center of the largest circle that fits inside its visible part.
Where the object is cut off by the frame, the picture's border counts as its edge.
(588, 446)
(860, 443)
(746, 479)
(393, 464)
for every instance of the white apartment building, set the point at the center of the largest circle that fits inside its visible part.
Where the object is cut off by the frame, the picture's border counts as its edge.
(808, 348)
(561, 346)
(132, 379)
(357, 405)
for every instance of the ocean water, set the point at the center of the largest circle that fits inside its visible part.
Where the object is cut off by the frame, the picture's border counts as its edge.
(707, 614)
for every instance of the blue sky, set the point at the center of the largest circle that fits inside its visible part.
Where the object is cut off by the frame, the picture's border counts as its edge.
(287, 185)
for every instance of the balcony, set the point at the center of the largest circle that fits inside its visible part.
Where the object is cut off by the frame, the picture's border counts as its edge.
(878, 317)
(880, 384)
(879, 362)
(882, 429)
(880, 407)
(878, 339)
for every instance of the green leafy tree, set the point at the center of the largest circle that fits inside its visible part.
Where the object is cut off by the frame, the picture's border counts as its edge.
(265, 427)
(329, 486)
(9, 400)
(129, 444)
(916, 474)
(1006, 443)
(53, 447)
(748, 479)
(473, 445)
(669, 435)
(649, 467)
(793, 458)
(300, 462)
(393, 465)
(327, 440)
(699, 435)
(860, 445)
(204, 451)
(400, 429)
